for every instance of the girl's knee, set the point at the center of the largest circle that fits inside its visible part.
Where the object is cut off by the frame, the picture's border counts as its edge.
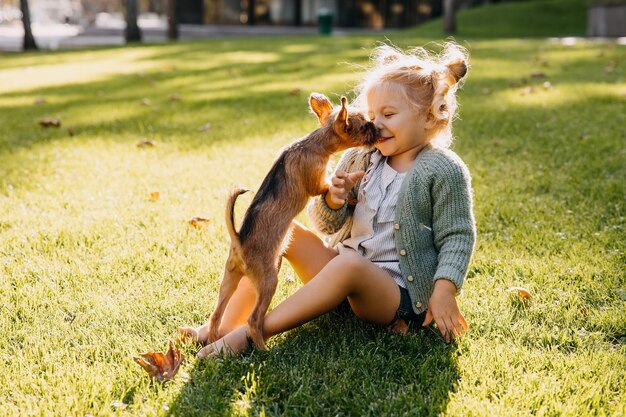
(351, 260)
(350, 266)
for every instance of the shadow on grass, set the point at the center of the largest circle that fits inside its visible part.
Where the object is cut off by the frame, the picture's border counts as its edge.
(213, 88)
(336, 366)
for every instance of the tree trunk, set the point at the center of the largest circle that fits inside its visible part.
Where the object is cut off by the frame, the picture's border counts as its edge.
(297, 13)
(251, 12)
(172, 20)
(29, 39)
(132, 32)
(449, 16)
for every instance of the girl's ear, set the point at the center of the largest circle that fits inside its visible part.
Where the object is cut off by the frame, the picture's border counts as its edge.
(321, 106)
(431, 121)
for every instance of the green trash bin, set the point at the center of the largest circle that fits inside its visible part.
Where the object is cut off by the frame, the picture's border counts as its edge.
(325, 21)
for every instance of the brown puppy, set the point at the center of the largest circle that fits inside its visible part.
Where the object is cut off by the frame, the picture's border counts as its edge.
(297, 174)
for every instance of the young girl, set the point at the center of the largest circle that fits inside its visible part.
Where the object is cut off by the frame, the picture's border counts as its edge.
(400, 254)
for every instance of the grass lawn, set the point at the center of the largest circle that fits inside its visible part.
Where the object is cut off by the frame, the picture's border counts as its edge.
(94, 271)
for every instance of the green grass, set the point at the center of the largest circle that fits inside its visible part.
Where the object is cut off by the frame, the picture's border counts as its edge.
(92, 272)
(524, 18)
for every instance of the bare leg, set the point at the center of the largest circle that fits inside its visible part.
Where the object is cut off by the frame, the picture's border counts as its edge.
(373, 295)
(306, 253)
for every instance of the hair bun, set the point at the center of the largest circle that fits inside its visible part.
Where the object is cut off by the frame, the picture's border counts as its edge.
(457, 68)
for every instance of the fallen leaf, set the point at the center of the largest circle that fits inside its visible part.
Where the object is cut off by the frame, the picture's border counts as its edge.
(146, 144)
(204, 127)
(521, 292)
(538, 74)
(155, 195)
(161, 366)
(50, 122)
(146, 102)
(296, 92)
(199, 222)
(71, 131)
(175, 97)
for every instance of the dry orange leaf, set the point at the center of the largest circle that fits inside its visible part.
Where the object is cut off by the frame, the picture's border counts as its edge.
(146, 144)
(199, 222)
(155, 195)
(50, 122)
(161, 366)
(521, 292)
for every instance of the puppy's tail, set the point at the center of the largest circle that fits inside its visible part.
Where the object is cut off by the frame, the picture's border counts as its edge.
(230, 213)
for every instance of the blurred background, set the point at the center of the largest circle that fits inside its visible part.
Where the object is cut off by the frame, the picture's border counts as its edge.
(376, 14)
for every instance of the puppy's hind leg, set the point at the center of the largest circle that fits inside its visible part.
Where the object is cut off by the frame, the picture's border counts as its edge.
(265, 287)
(232, 275)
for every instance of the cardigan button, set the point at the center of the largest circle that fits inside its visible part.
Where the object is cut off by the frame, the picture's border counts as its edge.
(402, 252)
(409, 278)
(396, 226)
(418, 305)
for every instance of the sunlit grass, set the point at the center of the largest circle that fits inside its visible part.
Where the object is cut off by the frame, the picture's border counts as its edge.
(93, 271)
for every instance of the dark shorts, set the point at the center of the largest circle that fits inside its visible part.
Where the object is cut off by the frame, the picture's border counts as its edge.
(405, 311)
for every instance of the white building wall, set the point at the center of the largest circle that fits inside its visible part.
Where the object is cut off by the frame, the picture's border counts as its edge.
(57, 11)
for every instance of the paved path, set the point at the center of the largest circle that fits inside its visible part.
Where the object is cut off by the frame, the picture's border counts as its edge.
(68, 36)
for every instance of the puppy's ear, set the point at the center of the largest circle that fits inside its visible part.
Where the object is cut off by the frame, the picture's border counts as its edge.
(321, 106)
(342, 116)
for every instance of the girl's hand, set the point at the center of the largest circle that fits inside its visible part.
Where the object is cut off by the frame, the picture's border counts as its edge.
(341, 184)
(443, 309)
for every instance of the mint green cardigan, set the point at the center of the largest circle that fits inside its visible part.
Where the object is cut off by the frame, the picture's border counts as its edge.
(434, 224)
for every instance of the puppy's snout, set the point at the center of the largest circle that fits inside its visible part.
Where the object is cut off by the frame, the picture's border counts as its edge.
(374, 133)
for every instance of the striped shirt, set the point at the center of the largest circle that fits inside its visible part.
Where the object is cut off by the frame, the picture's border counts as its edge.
(372, 233)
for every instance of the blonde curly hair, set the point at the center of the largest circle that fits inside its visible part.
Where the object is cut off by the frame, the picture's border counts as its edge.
(430, 81)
